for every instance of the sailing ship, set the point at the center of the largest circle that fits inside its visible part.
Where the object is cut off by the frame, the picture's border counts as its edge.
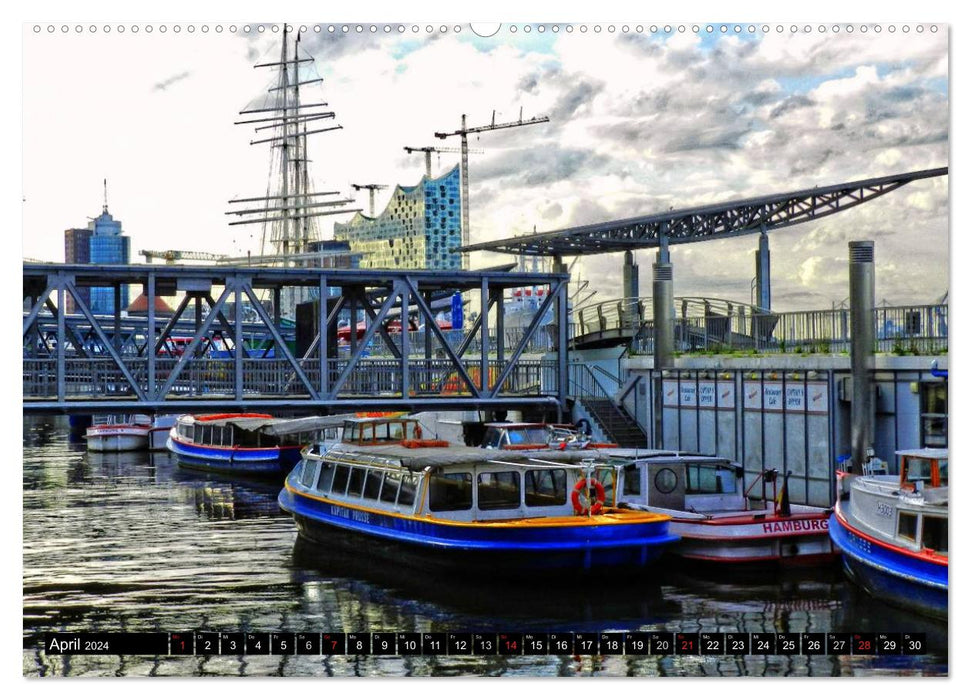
(288, 212)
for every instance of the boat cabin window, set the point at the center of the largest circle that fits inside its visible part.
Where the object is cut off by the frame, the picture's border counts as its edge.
(606, 477)
(389, 489)
(528, 436)
(381, 431)
(372, 485)
(935, 533)
(917, 469)
(450, 491)
(307, 473)
(356, 484)
(326, 477)
(710, 479)
(341, 474)
(545, 487)
(409, 487)
(498, 490)
(942, 470)
(907, 526)
(632, 480)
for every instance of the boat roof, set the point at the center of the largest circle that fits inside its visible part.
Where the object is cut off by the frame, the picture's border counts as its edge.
(300, 425)
(418, 458)
(272, 426)
(925, 452)
(377, 419)
(663, 455)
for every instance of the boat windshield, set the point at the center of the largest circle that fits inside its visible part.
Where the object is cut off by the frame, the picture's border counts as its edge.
(710, 478)
(917, 469)
(381, 431)
(528, 436)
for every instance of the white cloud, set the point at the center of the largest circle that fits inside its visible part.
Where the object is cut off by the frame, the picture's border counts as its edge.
(637, 126)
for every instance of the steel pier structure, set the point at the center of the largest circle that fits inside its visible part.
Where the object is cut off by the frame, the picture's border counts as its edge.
(83, 367)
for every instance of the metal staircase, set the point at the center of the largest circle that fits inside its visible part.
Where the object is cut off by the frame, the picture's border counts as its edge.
(611, 420)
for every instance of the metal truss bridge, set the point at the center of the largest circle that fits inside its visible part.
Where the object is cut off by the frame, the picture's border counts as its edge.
(707, 223)
(86, 363)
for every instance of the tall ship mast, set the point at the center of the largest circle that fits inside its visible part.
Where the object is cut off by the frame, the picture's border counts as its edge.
(289, 210)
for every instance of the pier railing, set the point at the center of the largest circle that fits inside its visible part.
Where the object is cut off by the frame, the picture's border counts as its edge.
(100, 378)
(715, 325)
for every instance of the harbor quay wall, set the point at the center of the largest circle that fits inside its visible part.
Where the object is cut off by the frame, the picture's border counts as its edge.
(784, 412)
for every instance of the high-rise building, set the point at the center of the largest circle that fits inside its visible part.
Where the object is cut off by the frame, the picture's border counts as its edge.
(417, 230)
(77, 249)
(108, 247)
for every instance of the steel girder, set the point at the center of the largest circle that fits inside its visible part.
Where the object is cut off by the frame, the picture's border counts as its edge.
(133, 385)
(711, 222)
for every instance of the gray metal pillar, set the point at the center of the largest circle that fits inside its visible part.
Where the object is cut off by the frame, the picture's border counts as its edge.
(322, 333)
(116, 336)
(632, 291)
(61, 335)
(500, 328)
(562, 349)
(484, 335)
(150, 333)
(405, 345)
(239, 347)
(862, 340)
(663, 302)
(428, 331)
(663, 256)
(763, 283)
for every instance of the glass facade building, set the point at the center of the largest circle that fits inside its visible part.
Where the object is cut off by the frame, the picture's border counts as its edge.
(417, 230)
(108, 247)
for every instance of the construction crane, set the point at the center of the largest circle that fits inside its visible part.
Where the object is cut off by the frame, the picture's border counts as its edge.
(428, 150)
(463, 133)
(170, 256)
(371, 190)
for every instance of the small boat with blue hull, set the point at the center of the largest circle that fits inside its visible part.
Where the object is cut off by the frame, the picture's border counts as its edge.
(247, 443)
(466, 509)
(892, 531)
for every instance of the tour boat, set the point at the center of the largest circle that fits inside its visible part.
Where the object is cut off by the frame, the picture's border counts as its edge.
(158, 434)
(537, 436)
(892, 531)
(715, 516)
(118, 433)
(466, 509)
(250, 443)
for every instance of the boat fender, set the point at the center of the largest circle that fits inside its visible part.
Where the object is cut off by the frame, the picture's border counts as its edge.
(595, 506)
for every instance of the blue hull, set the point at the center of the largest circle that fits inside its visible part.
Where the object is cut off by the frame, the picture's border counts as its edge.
(890, 575)
(269, 461)
(503, 552)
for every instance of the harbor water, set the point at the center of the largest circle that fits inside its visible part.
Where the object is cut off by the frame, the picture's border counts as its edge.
(134, 542)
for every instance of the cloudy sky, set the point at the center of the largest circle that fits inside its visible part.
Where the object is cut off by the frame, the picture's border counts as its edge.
(640, 123)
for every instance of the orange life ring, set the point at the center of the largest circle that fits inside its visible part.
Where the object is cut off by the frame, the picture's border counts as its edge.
(594, 507)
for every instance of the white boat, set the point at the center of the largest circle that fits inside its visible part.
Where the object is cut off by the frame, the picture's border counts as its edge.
(717, 519)
(158, 434)
(118, 433)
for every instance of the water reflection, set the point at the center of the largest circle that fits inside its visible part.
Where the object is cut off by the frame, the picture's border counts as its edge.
(135, 542)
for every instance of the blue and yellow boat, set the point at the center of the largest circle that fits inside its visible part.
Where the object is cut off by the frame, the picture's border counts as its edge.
(892, 531)
(466, 509)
